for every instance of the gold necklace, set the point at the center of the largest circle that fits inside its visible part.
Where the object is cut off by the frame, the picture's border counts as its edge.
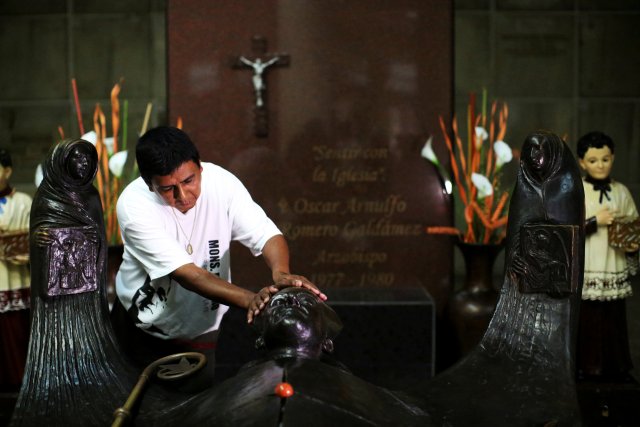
(188, 248)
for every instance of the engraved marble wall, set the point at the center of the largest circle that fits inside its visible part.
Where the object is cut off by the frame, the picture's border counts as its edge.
(340, 171)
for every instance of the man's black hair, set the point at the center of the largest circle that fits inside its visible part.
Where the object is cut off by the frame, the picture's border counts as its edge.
(5, 159)
(594, 139)
(162, 150)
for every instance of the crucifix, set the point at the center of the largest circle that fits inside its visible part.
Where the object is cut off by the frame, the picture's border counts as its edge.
(259, 62)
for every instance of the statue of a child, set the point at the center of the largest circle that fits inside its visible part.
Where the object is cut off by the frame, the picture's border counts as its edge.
(603, 344)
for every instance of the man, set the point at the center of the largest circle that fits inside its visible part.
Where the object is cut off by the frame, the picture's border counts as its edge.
(177, 222)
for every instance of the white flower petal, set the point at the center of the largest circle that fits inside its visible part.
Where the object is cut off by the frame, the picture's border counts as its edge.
(481, 133)
(117, 162)
(39, 175)
(480, 137)
(503, 153)
(90, 137)
(482, 184)
(108, 142)
(428, 153)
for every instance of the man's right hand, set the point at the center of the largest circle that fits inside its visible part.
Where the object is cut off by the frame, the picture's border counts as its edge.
(259, 302)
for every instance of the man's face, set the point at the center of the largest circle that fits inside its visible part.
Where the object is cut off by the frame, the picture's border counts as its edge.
(597, 162)
(181, 188)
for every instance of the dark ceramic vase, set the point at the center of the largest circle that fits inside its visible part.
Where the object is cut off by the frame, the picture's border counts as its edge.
(471, 308)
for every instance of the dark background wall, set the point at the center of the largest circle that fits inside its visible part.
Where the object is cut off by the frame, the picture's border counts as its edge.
(565, 65)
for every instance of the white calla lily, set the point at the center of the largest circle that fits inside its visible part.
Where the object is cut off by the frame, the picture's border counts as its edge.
(503, 153)
(90, 137)
(481, 136)
(93, 138)
(428, 153)
(108, 142)
(482, 184)
(481, 133)
(117, 162)
(39, 175)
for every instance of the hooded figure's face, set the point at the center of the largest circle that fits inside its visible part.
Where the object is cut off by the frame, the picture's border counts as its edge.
(78, 163)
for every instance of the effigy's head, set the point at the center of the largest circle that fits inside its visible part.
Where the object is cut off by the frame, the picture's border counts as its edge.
(297, 320)
(72, 162)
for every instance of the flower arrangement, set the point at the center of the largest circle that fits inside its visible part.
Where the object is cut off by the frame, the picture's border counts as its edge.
(477, 171)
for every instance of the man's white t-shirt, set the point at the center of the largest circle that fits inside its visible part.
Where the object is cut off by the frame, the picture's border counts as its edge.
(155, 245)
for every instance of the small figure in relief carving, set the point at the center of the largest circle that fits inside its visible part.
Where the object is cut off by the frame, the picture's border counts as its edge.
(603, 344)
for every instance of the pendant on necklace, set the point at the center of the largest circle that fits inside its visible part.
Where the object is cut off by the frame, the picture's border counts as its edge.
(189, 249)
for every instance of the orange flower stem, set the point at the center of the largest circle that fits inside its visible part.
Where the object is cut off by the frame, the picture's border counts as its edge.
(483, 218)
(470, 130)
(477, 150)
(500, 222)
(115, 115)
(454, 165)
(443, 230)
(104, 160)
(61, 132)
(463, 163)
(76, 101)
(501, 203)
(99, 146)
(504, 113)
(470, 237)
(490, 166)
(488, 204)
(468, 217)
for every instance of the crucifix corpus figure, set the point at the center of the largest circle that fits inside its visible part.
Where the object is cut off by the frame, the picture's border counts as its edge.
(258, 69)
(259, 61)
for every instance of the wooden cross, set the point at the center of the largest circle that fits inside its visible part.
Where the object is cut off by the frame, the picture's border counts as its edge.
(259, 62)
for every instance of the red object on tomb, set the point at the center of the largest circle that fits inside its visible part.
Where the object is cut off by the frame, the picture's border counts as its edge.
(284, 390)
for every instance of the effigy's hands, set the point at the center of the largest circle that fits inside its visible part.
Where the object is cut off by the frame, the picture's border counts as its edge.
(43, 237)
(259, 301)
(286, 280)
